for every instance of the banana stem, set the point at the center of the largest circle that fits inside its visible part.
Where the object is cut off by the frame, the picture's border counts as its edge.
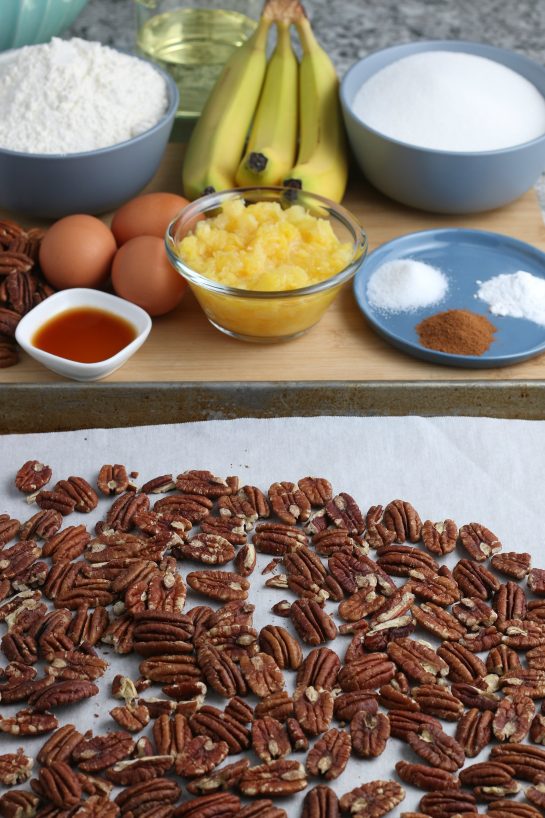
(284, 11)
(261, 34)
(306, 35)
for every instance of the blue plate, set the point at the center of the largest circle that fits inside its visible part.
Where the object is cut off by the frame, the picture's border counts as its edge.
(465, 256)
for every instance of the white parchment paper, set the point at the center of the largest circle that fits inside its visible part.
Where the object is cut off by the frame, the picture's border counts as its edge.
(483, 470)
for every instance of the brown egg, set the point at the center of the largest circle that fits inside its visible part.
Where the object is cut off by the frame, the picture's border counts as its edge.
(142, 273)
(147, 215)
(77, 251)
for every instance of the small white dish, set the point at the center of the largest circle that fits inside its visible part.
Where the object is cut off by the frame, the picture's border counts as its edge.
(72, 299)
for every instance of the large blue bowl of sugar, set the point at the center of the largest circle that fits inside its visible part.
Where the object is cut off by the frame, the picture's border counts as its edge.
(442, 180)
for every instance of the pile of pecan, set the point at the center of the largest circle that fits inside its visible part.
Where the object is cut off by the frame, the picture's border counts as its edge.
(465, 646)
(21, 284)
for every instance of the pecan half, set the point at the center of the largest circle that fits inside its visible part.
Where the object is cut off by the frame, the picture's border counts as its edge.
(41, 525)
(112, 479)
(373, 799)
(270, 739)
(215, 805)
(407, 561)
(527, 762)
(27, 723)
(439, 538)
(245, 560)
(475, 580)
(479, 542)
(15, 768)
(330, 754)
(513, 718)
(401, 518)
(32, 476)
(262, 674)
(417, 659)
(448, 803)
(370, 733)
(313, 709)
(97, 753)
(282, 646)
(249, 503)
(403, 722)
(348, 704)
(490, 780)
(62, 693)
(512, 564)
(432, 779)
(231, 528)
(60, 784)
(311, 622)
(205, 483)
(437, 748)
(211, 549)
(18, 804)
(219, 585)
(84, 496)
(138, 797)
(221, 779)
(210, 721)
(280, 777)
(320, 802)
(344, 512)
(200, 756)
(289, 503)
(367, 673)
(66, 544)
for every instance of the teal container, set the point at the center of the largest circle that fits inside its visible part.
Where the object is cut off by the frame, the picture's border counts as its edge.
(25, 22)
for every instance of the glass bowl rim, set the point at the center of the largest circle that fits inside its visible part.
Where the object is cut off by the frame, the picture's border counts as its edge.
(200, 205)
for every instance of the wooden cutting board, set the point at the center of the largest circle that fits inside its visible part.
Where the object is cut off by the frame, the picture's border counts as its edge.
(183, 346)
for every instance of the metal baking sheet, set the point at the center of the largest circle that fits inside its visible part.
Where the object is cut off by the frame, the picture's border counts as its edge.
(26, 408)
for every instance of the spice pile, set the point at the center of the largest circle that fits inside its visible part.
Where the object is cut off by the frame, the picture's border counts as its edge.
(458, 332)
(125, 586)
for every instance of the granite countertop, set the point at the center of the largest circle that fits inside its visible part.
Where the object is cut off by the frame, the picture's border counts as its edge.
(350, 29)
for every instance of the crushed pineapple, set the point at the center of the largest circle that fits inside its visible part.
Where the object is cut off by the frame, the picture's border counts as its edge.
(262, 247)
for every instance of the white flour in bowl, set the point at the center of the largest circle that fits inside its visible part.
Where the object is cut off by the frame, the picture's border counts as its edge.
(70, 96)
(451, 101)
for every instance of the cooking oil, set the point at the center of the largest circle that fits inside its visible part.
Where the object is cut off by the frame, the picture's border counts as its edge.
(193, 45)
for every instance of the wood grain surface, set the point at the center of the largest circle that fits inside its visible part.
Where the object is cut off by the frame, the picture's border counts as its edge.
(184, 347)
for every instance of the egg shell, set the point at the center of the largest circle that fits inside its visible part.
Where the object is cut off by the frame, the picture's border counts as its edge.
(147, 215)
(142, 273)
(77, 251)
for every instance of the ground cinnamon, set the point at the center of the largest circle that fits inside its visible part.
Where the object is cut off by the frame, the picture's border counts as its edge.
(459, 332)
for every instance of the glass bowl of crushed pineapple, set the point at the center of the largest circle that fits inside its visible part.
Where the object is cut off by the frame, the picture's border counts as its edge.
(265, 263)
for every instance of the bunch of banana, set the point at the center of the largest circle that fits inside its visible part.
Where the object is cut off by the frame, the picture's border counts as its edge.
(275, 123)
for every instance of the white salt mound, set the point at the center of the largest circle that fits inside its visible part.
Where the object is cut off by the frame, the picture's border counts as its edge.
(452, 101)
(405, 285)
(70, 96)
(519, 295)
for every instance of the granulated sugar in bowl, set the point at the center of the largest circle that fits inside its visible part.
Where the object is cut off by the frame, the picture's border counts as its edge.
(452, 101)
(447, 126)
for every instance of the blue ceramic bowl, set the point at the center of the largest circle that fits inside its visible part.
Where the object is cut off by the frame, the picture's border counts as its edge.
(442, 181)
(26, 22)
(55, 185)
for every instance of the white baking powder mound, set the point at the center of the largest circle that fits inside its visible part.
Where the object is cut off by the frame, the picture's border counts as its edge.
(405, 285)
(519, 295)
(71, 96)
(452, 101)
